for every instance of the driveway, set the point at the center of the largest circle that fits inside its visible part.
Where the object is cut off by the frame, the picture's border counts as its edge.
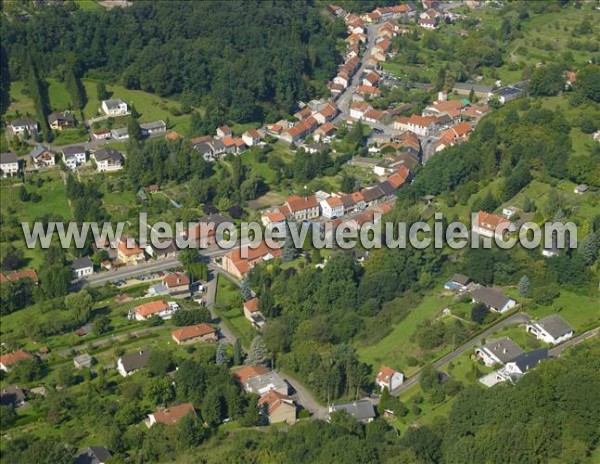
(518, 318)
(558, 350)
(305, 398)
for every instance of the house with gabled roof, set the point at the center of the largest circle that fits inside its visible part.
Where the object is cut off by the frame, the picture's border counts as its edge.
(388, 378)
(9, 164)
(171, 415)
(132, 362)
(551, 329)
(491, 225)
(277, 407)
(494, 300)
(195, 333)
(7, 361)
(498, 351)
(42, 156)
(239, 261)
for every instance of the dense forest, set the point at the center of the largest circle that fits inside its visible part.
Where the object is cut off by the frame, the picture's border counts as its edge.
(243, 60)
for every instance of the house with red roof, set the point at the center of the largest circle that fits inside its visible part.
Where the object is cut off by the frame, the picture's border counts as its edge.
(277, 218)
(277, 407)
(7, 361)
(16, 276)
(194, 333)
(170, 416)
(491, 225)
(332, 207)
(420, 125)
(224, 131)
(239, 261)
(251, 137)
(253, 314)
(159, 308)
(128, 251)
(303, 208)
(388, 378)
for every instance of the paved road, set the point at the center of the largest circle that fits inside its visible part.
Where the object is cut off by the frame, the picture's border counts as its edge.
(304, 397)
(515, 319)
(558, 350)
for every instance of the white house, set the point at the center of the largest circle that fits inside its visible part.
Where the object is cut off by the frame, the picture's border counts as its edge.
(158, 308)
(493, 299)
(151, 128)
(116, 107)
(389, 378)
(251, 137)
(332, 207)
(108, 159)
(358, 109)
(82, 267)
(133, 362)
(42, 157)
(74, 156)
(490, 225)
(22, 125)
(515, 368)
(9, 164)
(498, 351)
(551, 329)
(420, 125)
(120, 134)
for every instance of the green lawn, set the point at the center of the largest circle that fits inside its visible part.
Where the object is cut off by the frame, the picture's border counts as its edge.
(395, 348)
(260, 169)
(228, 306)
(90, 5)
(579, 310)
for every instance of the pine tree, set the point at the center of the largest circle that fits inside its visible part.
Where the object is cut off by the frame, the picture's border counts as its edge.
(246, 293)
(237, 352)
(523, 286)
(258, 351)
(289, 249)
(101, 91)
(588, 250)
(528, 205)
(134, 130)
(221, 356)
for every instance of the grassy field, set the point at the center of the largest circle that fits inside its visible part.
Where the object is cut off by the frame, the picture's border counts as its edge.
(90, 5)
(228, 306)
(151, 107)
(394, 349)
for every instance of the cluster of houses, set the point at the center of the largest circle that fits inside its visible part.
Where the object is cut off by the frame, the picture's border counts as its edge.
(313, 118)
(513, 362)
(212, 148)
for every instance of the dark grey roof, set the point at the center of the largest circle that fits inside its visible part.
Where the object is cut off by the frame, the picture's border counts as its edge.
(108, 153)
(530, 359)
(360, 410)
(504, 349)
(73, 150)
(134, 361)
(9, 157)
(443, 119)
(348, 201)
(60, 117)
(372, 193)
(82, 263)
(555, 325)
(23, 122)
(490, 297)
(92, 455)
(114, 103)
(460, 279)
(508, 91)
(204, 148)
(218, 145)
(12, 396)
(387, 188)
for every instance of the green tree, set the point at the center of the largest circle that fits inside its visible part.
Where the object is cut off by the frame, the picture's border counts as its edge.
(478, 313)
(80, 304)
(134, 130)
(523, 287)
(258, 352)
(237, 352)
(221, 354)
(101, 91)
(159, 362)
(212, 407)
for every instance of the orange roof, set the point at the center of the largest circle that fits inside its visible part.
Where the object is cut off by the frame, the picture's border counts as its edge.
(303, 113)
(385, 374)
(398, 179)
(175, 279)
(274, 216)
(374, 114)
(326, 128)
(491, 221)
(225, 129)
(360, 106)
(129, 246)
(153, 307)
(416, 120)
(384, 45)
(243, 374)
(15, 276)
(251, 305)
(372, 77)
(173, 414)
(329, 110)
(297, 203)
(367, 89)
(243, 265)
(357, 196)
(253, 133)
(239, 142)
(272, 400)
(14, 357)
(192, 331)
(275, 128)
(334, 201)
(228, 141)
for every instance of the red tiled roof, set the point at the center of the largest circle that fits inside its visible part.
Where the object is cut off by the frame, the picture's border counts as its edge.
(173, 414)
(491, 221)
(14, 357)
(334, 201)
(297, 203)
(175, 279)
(15, 276)
(274, 216)
(272, 400)
(193, 331)
(251, 305)
(243, 374)
(129, 246)
(385, 374)
(153, 307)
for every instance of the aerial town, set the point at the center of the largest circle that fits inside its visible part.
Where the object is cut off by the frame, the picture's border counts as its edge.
(349, 115)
